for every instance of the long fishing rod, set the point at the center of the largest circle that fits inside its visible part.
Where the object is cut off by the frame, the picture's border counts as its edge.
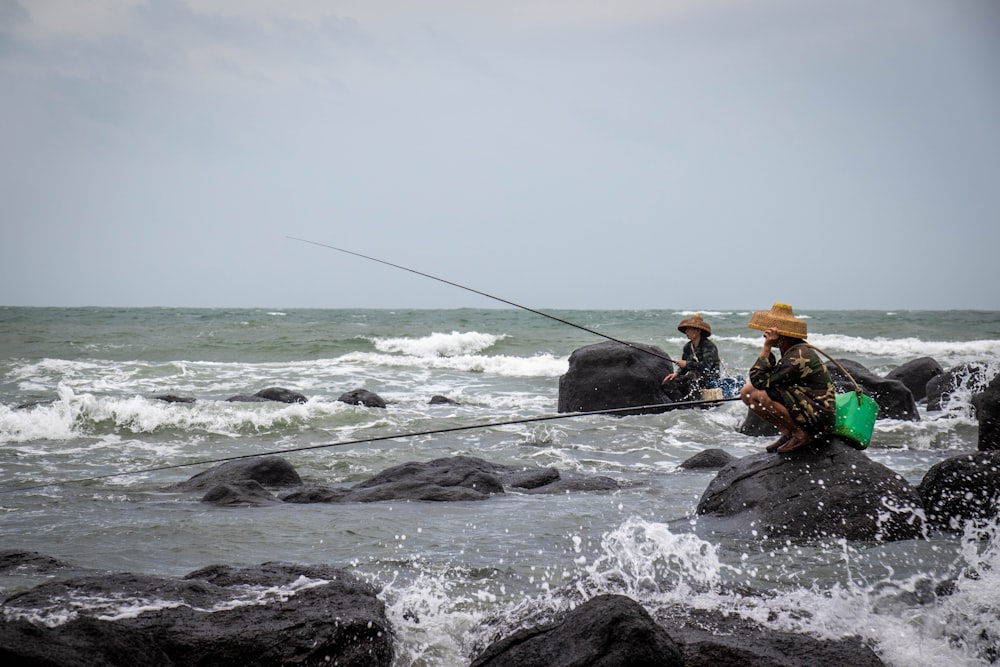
(490, 296)
(451, 429)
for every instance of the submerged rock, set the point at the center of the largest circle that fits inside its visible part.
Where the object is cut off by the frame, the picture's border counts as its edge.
(710, 458)
(271, 614)
(362, 397)
(265, 470)
(281, 395)
(823, 491)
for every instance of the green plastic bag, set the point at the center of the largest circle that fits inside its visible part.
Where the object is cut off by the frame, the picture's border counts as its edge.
(856, 418)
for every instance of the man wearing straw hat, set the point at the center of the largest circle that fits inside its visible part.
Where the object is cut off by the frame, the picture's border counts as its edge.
(796, 393)
(699, 361)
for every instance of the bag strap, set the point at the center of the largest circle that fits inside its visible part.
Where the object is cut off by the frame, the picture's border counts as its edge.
(857, 387)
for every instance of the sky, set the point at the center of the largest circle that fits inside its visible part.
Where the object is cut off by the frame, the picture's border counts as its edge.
(558, 154)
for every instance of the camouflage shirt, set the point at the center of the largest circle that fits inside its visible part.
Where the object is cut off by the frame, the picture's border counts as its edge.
(804, 384)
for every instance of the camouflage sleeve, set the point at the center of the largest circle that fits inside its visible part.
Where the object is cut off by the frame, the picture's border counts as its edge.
(760, 372)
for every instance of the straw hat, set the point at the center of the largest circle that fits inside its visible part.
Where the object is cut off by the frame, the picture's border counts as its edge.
(779, 316)
(696, 322)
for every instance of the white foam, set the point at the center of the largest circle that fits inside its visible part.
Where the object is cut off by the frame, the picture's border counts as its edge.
(439, 344)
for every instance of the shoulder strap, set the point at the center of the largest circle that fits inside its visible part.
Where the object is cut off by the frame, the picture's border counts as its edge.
(843, 370)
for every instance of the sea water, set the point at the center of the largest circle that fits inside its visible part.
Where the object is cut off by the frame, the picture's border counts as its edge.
(81, 426)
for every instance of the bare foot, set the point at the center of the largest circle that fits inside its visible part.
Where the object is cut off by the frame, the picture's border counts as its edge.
(795, 442)
(773, 447)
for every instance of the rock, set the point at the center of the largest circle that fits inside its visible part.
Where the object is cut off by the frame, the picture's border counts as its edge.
(961, 488)
(916, 374)
(611, 375)
(818, 491)
(964, 378)
(243, 493)
(710, 458)
(314, 494)
(895, 401)
(437, 399)
(271, 614)
(281, 395)
(266, 470)
(246, 398)
(529, 478)
(717, 639)
(451, 478)
(174, 398)
(16, 561)
(362, 397)
(755, 425)
(605, 631)
(987, 404)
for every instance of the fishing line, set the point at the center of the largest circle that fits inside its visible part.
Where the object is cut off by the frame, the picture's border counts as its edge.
(490, 296)
(305, 448)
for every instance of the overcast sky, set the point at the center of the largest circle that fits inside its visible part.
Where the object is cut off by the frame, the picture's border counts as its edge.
(700, 154)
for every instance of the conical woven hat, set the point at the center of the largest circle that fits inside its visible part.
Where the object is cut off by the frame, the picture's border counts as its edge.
(696, 322)
(779, 316)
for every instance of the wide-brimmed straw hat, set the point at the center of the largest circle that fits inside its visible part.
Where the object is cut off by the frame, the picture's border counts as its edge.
(782, 317)
(696, 322)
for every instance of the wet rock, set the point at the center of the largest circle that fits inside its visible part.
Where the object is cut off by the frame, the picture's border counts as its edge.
(895, 401)
(362, 397)
(272, 614)
(529, 478)
(828, 490)
(451, 478)
(606, 631)
(716, 639)
(16, 561)
(174, 398)
(611, 375)
(755, 425)
(437, 399)
(710, 458)
(244, 493)
(915, 374)
(247, 398)
(314, 494)
(281, 395)
(987, 404)
(266, 470)
(960, 489)
(572, 482)
(962, 379)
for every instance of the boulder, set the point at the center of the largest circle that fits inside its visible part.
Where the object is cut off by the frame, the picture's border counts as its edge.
(718, 639)
(895, 401)
(613, 375)
(709, 459)
(964, 378)
(281, 395)
(438, 399)
(265, 470)
(450, 478)
(987, 404)
(915, 374)
(605, 631)
(960, 489)
(755, 425)
(243, 493)
(362, 397)
(820, 491)
(247, 398)
(271, 614)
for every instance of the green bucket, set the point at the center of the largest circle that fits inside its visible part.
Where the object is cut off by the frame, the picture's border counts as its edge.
(856, 415)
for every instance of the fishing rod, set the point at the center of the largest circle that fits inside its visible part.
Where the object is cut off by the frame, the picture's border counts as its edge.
(490, 296)
(450, 429)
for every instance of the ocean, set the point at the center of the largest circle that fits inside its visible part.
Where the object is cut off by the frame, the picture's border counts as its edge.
(77, 402)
